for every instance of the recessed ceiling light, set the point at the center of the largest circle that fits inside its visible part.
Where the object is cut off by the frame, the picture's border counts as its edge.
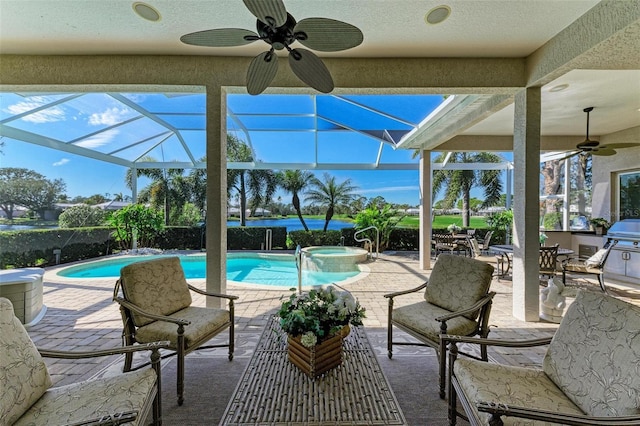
(559, 88)
(146, 11)
(437, 15)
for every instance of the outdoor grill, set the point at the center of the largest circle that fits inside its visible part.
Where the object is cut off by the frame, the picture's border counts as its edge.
(624, 259)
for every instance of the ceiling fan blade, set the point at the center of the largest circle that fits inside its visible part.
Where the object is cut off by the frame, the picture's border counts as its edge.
(221, 37)
(261, 72)
(271, 12)
(603, 151)
(327, 35)
(618, 145)
(310, 69)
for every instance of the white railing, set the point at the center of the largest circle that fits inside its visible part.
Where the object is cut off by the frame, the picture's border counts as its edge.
(367, 240)
(298, 257)
(268, 239)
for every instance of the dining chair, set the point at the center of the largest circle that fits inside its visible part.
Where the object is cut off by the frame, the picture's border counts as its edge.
(486, 242)
(548, 260)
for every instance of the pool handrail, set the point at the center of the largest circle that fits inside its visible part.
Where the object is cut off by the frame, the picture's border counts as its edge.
(355, 237)
(298, 257)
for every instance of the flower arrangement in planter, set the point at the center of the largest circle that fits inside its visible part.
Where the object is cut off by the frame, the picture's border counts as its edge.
(600, 224)
(316, 322)
(453, 228)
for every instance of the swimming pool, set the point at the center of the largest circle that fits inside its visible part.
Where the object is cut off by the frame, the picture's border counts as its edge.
(256, 268)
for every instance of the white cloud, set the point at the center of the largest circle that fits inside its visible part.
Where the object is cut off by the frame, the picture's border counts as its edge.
(98, 140)
(47, 115)
(109, 117)
(62, 162)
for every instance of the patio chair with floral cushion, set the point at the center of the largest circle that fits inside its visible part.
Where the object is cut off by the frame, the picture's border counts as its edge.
(589, 373)
(27, 397)
(155, 303)
(456, 301)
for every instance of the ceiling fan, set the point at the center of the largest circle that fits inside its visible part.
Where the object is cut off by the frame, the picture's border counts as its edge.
(279, 29)
(593, 147)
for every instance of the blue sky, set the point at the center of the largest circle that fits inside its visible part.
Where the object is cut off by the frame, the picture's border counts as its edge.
(89, 114)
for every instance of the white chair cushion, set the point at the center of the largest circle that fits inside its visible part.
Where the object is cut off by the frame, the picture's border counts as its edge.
(204, 322)
(94, 398)
(23, 373)
(420, 317)
(594, 356)
(511, 385)
(596, 259)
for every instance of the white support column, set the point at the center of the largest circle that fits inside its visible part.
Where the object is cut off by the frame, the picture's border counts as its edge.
(566, 212)
(216, 194)
(425, 210)
(526, 212)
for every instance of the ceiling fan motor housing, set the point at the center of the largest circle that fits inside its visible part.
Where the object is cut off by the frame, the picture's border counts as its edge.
(279, 37)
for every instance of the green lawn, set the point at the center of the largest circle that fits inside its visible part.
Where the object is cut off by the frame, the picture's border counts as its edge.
(439, 222)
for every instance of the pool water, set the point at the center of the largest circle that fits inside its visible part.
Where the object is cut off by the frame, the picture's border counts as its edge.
(257, 268)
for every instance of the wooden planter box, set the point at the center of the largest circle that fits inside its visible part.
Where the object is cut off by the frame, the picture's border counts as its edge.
(317, 360)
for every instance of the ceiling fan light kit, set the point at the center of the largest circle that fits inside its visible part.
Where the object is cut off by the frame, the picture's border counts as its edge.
(279, 29)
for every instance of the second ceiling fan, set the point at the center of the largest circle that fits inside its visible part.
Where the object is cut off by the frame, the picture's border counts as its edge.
(279, 29)
(589, 146)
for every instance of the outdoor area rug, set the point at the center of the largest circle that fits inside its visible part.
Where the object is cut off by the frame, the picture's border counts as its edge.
(273, 391)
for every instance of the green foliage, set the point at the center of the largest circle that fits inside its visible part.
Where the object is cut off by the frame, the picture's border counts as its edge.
(552, 221)
(501, 222)
(188, 215)
(19, 249)
(254, 237)
(145, 222)
(319, 314)
(385, 220)
(28, 188)
(313, 238)
(81, 216)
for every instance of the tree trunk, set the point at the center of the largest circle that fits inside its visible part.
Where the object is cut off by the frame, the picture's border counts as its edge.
(466, 201)
(327, 218)
(296, 205)
(243, 201)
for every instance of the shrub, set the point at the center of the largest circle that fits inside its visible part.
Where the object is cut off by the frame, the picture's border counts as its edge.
(81, 216)
(144, 222)
(385, 220)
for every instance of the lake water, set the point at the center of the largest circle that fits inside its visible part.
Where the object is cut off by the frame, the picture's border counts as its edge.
(293, 223)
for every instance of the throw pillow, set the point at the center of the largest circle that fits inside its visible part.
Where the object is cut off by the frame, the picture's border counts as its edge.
(596, 259)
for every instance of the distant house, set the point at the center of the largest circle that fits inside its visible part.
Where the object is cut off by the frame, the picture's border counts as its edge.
(412, 212)
(112, 205)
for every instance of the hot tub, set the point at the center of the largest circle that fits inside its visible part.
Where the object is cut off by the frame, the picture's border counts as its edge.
(333, 258)
(23, 287)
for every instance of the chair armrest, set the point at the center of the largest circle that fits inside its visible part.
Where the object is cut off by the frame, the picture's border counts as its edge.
(497, 342)
(554, 417)
(49, 353)
(479, 304)
(156, 317)
(108, 420)
(205, 293)
(400, 293)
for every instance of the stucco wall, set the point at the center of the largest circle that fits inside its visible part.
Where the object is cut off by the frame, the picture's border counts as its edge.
(605, 171)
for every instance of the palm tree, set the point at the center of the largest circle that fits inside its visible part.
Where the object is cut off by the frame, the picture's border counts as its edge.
(295, 182)
(258, 185)
(167, 188)
(458, 183)
(330, 194)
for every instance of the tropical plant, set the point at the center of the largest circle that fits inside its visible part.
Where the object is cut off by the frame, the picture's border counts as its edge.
(597, 222)
(502, 221)
(330, 194)
(458, 183)
(295, 182)
(136, 223)
(385, 220)
(167, 188)
(258, 185)
(81, 216)
(319, 314)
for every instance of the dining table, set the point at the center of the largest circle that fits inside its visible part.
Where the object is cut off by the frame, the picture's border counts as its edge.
(506, 251)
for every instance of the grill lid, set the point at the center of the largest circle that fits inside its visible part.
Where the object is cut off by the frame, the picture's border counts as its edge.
(627, 228)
